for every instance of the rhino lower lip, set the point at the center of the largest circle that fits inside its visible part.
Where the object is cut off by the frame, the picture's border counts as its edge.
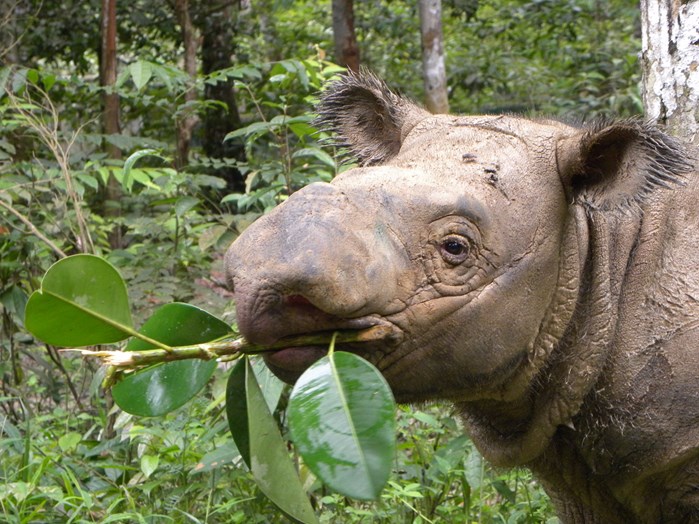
(288, 363)
(294, 360)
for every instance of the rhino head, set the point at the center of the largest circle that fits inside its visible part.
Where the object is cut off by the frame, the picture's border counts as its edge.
(480, 241)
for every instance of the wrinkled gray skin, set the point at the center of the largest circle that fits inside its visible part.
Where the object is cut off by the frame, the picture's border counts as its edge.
(543, 278)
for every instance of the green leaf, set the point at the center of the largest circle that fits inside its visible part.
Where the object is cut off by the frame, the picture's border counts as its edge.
(261, 445)
(127, 181)
(255, 127)
(159, 389)
(82, 302)
(14, 301)
(211, 236)
(224, 455)
(48, 80)
(237, 409)
(69, 441)
(184, 204)
(149, 463)
(33, 76)
(141, 72)
(342, 421)
(145, 175)
(270, 385)
(316, 153)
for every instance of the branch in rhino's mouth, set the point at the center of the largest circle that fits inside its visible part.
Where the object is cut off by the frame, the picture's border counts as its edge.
(375, 333)
(288, 363)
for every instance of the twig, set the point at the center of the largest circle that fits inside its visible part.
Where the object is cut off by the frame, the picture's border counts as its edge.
(229, 347)
(33, 229)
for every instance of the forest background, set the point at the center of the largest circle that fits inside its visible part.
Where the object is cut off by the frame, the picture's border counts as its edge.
(208, 106)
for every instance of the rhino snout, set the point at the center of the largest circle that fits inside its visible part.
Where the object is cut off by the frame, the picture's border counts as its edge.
(313, 264)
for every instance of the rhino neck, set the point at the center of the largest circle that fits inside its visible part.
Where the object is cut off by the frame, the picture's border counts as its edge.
(565, 359)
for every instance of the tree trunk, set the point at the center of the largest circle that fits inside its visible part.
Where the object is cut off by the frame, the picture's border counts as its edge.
(110, 114)
(217, 28)
(670, 59)
(433, 69)
(186, 124)
(346, 49)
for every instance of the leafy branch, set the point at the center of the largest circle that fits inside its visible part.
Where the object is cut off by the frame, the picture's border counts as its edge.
(228, 348)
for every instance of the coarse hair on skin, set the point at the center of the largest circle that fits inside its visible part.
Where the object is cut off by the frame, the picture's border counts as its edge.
(365, 116)
(618, 163)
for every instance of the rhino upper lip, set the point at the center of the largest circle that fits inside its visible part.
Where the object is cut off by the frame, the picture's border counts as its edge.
(373, 348)
(388, 331)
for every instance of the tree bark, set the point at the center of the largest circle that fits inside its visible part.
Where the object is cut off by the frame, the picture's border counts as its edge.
(433, 69)
(670, 59)
(110, 113)
(186, 124)
(217, 28)
(346, 49)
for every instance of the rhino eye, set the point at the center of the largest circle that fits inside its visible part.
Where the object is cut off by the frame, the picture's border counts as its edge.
(454, 250)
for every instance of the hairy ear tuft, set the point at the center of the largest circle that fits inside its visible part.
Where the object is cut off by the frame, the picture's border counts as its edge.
(615, 164)
(367, 117)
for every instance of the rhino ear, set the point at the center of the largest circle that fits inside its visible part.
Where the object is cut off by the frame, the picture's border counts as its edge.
(367, 118)
(611, 165)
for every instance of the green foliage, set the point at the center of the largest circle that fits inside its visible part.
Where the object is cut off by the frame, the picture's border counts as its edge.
(157, 390)
(341, 416)
(261, 446)
(282, 148)
(83, 301)
(574, 59)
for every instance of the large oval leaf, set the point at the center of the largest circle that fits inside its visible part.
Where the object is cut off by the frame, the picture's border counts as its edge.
(261, 445)
(159, 389)
(342, 421)
(82, 302)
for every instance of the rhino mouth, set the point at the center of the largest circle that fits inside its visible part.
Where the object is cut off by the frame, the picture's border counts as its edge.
(289, 363)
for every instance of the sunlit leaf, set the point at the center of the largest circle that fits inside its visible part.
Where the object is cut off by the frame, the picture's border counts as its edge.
(69, 441)
(82, 301)
(149, 463)
(318, 154)
(342, 421)
(261, 445)
(141, 72)
(128, 174)
(270, 385)
(159, 389)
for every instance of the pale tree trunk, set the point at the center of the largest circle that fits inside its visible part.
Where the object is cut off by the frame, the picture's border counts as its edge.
(346, 49)
(110, 111)
(433, 69)
(186, 124)
(670, 59)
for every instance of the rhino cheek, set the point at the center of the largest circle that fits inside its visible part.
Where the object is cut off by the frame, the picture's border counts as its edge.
(465, 348)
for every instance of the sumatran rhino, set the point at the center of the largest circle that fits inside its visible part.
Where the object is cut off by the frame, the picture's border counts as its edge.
(543, 278)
